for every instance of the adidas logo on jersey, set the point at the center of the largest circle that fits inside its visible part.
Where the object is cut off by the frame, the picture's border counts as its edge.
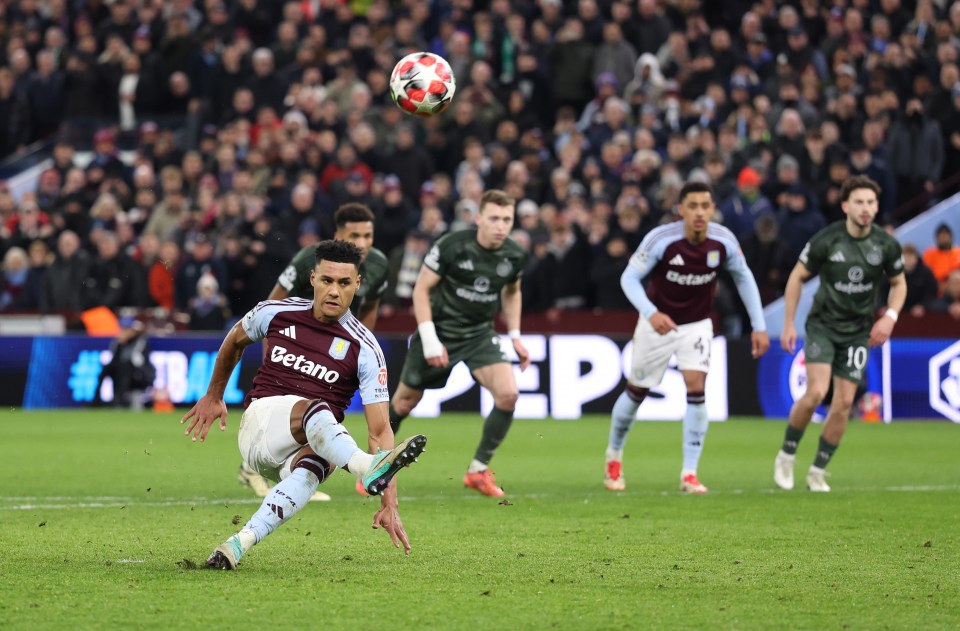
(677, 260)
(290, 331)
(467, 265)
(837, 257)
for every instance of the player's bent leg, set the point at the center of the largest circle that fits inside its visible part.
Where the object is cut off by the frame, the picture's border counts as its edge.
(498, 378)
(283, 502)
(818, 382)
(621, 420)
(844, 393)
(695, 425)
(404, 399)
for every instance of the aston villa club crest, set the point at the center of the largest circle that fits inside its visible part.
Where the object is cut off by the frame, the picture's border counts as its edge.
(339, 347)
(713, 258)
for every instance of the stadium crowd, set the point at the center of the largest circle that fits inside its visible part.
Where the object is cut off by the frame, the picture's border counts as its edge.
(196, 146)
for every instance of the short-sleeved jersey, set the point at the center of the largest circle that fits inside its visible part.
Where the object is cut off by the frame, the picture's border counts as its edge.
(373, 274)
(313, 359)
(683, 282)
(467, 297)
(850, 270)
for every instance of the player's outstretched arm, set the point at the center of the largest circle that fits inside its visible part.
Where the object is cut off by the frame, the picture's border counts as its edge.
(433, 349)
(211, 405)
(381, 437)
(883, 327)
(791, 298)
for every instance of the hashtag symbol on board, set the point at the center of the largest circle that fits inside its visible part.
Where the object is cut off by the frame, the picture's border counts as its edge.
(84, 375)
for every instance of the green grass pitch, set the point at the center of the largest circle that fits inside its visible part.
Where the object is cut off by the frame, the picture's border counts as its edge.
(104, 516)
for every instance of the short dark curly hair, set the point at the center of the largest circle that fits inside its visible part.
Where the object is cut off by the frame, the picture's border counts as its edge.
(855, 182)
(352, 212)
(338, 252)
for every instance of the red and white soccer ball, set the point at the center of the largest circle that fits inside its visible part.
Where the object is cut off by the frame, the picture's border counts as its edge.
(422, 84)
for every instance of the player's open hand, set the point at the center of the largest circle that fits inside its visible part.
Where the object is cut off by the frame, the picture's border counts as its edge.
(760, 343)
(522, 353)
(388, 518)
(881, 331)
(662, 323)
(788, 338)
(202, 415)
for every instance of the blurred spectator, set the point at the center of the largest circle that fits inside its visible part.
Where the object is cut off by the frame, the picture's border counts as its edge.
(208, 309)
(200, 260)
(769, 257)
(742, 209)
(63, 289)
(395, 216)
(403, 267)
(605, 274)
(798, 220)
(916, 157)
(130, 368)
(949, 302)
(115, 280)
(922, 287)
(944, 257)
(16, 269)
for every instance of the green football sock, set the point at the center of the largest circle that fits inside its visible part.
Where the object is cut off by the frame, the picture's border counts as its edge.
(395, 420)
(495, 429)
(791, 439)
(824, 454)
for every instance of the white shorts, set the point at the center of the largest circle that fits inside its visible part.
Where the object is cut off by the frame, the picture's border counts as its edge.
(265, 441)
(652, 351)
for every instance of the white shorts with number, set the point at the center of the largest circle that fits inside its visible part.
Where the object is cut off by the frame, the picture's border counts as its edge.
(652, 351)
(265, 441)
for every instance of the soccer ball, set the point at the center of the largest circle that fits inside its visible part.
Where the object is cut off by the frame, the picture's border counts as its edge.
(422, 84)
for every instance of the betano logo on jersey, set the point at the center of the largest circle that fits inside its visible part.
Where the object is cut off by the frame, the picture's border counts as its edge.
(690, 279)
(279, 355)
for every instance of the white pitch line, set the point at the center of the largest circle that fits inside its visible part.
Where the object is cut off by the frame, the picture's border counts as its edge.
(81, 502)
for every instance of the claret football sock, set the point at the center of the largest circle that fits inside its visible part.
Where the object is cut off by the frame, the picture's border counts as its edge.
(281, 503)
(695, 424)
(495, 429)
(624, 411)
(791, 440)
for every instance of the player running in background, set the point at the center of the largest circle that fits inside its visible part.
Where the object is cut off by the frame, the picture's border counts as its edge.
(320, 351)
(682, 260)
(463, 277)
(850, 257)
(354, 223)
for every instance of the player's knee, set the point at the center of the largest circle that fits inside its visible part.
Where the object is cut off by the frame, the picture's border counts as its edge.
(403, 404)
(507, 400)
(315, 465)
(815, 394)
(637, 393)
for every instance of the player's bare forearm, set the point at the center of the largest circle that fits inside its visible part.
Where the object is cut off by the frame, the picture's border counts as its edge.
(426, 280)
(379, 433)
(897, 295)
(227, 359)
(791, 294)
(512, 301)
(278, 293)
